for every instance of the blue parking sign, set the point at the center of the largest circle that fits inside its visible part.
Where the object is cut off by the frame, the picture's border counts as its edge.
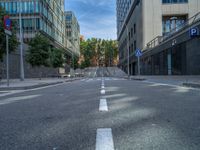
(194, 32)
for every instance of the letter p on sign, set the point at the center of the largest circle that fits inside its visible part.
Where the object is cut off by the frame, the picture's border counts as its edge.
(194, 32)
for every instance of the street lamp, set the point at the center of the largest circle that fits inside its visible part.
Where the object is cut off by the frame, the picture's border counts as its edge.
(128, 55)
(21, 44)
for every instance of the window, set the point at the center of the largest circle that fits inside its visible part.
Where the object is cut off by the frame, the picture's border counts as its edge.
(135, 45)
(132, 50)
(174, 1)
(172, 23)
(131, 32)
(134, 28)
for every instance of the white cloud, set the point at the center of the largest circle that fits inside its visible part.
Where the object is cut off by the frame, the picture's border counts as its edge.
(97, 18)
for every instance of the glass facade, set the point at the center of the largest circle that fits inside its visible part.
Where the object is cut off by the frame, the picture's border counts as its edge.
(73, 30)
(123, 7)
(39, 15)
(174, 1)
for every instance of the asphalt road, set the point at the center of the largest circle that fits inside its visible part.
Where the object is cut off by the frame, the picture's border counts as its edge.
(134, 115)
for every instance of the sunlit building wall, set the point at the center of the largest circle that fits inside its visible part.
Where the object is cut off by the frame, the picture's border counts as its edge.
(140, 21)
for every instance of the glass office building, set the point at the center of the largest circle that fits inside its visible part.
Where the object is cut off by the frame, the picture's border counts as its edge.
(123, 7)
(45, 16)
(73, 31)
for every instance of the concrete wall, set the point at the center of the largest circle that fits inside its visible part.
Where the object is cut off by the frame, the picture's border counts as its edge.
(154, 62)
(29, 71)
(193, 56)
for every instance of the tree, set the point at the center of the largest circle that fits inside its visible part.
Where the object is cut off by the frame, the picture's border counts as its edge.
(39, 51)
(98, 52)
(13, 43)
(76, 65)
(56, 57)
(111, 52)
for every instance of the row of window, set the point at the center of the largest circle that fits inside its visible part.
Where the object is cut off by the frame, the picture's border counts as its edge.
(133, 31)
(27, 7)
(35, 6)
(174, 1)
(31, 25)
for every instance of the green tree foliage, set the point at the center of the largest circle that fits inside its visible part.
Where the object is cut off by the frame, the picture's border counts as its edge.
(76, 65)
(57, 58)
(98, 52)
(41, 53)
(13, 43)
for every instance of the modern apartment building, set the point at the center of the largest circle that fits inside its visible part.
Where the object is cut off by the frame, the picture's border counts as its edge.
(140, 21)
(73, 31)
(39, 16)
(44, 16)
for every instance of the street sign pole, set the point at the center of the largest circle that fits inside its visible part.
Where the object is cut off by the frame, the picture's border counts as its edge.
(7, 60)
(7, 28)
(128, 53)
(21, 43)
(138, 54)
(138, 65)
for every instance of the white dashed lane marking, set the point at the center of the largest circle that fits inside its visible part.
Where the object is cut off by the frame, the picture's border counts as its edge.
(103, 92)
(103, 105)
(104, 139)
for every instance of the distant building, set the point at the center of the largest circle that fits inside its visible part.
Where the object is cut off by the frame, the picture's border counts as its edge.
(82, 38)
(73, 31)
(140, 21)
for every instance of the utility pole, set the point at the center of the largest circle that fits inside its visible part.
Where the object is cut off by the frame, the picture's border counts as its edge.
(7, 28)
(73, 60)
(138, 66)
(128, 52)
(21, 44)
(7, 60)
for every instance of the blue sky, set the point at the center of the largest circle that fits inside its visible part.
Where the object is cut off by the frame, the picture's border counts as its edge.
(97, 18)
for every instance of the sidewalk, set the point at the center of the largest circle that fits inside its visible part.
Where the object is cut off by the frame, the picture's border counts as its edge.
(189, 81)
(16, 84)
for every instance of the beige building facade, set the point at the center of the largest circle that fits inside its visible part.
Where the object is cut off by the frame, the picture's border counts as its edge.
(148, 19)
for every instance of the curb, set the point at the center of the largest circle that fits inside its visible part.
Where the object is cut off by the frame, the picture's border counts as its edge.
(36, 86)
(193, 85)
(30, 87)
(72, 80)
(138, 79)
